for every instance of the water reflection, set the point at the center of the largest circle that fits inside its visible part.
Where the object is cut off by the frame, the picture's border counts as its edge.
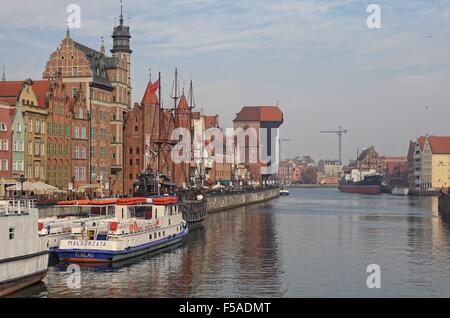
(315, 243)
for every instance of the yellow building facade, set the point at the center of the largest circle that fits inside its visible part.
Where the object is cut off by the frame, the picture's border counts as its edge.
(436, 163)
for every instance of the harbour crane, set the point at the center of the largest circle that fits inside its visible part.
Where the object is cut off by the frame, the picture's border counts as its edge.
(339, 132)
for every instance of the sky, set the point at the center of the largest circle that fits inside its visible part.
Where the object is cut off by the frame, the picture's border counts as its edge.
(317, 60)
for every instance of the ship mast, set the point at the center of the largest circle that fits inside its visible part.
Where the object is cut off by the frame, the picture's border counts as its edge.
(192, 130)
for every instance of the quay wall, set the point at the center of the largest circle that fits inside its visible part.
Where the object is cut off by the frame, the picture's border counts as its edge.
(444, 204)
(225, 202)
(424, 193)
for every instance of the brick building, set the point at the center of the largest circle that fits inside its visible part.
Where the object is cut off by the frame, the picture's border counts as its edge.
(106, 85)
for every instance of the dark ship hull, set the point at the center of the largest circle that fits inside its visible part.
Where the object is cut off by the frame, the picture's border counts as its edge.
(194, 212)
(370, 185)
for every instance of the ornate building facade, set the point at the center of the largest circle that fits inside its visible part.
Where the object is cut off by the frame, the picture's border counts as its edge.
(106, 85)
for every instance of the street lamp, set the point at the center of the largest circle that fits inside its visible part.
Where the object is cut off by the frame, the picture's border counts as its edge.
(73, 185)
(22, 180)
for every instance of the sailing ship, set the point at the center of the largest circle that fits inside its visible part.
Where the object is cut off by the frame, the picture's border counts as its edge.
(191, 200)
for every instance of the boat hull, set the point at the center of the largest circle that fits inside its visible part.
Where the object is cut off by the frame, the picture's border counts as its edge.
(98, 256)
(15, 285)
(361, 189)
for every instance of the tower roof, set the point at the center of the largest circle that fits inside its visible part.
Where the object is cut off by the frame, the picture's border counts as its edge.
(121, 37)
(260, 113)
(183, 104)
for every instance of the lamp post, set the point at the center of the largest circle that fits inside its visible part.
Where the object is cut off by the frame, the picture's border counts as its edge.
(73, 187)
(22, 180)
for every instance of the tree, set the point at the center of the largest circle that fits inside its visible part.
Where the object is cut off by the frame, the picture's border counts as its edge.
(309, 175)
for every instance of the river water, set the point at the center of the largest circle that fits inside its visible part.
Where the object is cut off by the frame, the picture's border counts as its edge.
(314, 243)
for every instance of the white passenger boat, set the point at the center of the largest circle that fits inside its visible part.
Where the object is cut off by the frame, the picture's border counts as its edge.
(400, 191)
(54, 229)
(23, 253)
(139, 226)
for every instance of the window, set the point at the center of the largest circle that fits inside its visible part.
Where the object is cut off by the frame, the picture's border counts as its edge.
(131, 151)
(74, 92)
(5, 165)
(5, 145)
(76, 133)
(15, 165)
(15, 146)
(76, 173)
(83, 173)
(19, 127)
(93, 152)
(11, 233)
(93, 133)
(77, 152)
(37, 148)
(137, 151)
(3, 127)
(74, 71)
(37, 127)
(83, 153)
(80, 113)
(102, 133)
(102, 153)
(83, 133)
(93, 172)
(37, 170)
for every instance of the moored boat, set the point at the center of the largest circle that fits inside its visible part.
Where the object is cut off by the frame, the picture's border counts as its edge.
(136, 229)
(400, 191)
(23, 253)
(369, 185)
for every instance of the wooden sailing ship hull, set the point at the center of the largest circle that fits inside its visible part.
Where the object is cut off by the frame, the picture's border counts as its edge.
(194, 212)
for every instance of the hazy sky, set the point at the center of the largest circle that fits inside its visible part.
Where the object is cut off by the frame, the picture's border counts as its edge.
(318, 59)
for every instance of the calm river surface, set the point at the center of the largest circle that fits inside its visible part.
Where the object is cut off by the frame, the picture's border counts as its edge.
(315, 243)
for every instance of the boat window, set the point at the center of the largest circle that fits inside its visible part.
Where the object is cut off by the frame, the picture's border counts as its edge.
(11, 233)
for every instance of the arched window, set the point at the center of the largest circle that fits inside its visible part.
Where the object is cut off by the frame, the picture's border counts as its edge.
(3, 127)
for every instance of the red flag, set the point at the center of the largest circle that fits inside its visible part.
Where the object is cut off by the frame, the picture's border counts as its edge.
(154, 87)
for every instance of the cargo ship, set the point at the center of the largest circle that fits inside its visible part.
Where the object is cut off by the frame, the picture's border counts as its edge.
(370, 184)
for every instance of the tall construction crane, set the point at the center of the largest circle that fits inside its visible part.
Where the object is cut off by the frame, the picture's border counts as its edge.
(339, 132)
(282, 141)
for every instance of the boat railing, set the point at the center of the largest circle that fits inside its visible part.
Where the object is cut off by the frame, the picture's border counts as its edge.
(16, 207)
